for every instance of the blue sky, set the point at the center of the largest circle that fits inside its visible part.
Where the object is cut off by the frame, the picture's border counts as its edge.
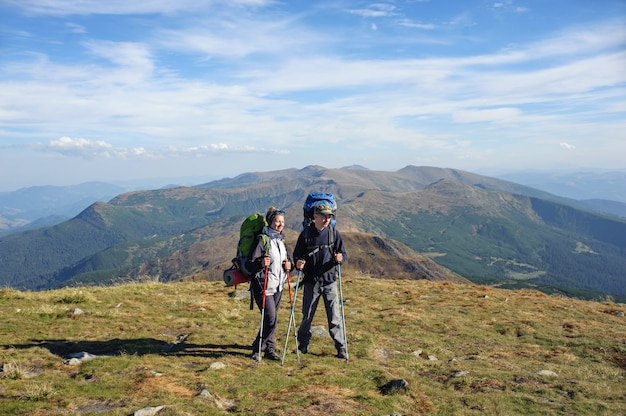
(124, 90)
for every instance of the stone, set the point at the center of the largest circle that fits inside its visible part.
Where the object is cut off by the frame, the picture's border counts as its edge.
(546, 373)
(205, 393)
(218, 365)
(394, 387)
(319, 332)
(149, 411)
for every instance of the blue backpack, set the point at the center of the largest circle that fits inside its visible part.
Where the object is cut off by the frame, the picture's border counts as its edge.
(318, 198)
(314, 199)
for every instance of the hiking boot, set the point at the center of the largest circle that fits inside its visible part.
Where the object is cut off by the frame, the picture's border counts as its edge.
(256, 356)
(342, 353)
(271, 354)
(302, 350)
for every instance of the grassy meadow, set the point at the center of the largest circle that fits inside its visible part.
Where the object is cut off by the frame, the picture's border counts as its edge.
(463, 349)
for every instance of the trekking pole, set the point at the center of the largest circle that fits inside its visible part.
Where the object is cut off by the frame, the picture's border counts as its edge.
(290, 294)
(262, 313)
(292, 320)
(343, 314)
(282, 362)
(295, 336)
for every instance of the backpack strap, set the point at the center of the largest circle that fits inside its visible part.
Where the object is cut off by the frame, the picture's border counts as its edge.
(266, 246)
(266, 242)
(331, 238)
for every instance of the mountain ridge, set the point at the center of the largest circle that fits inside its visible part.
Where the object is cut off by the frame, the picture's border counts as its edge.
(41, 206)
(476, 226)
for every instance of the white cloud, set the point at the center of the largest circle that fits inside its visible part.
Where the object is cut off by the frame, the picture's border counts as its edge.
(123, 7)
(81, 147)
(495, 115)
(234, 83)
(567, 146)
(375, 10)
(509, 5)
(76, 28)
(99, 149)
(132, 55)
(224, 38)
(594, 38)
(416, 25)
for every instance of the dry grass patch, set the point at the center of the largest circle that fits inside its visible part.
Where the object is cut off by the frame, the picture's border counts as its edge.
(152, 384)
(160, 341)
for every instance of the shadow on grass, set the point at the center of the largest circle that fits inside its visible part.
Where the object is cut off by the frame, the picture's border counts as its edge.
(138, 346)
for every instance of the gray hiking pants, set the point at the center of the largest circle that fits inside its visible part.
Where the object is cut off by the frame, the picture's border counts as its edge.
(310, 299)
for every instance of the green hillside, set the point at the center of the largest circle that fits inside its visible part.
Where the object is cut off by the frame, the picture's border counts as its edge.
(462, 349)
(369, 255)
(478, 227)
(500, 236)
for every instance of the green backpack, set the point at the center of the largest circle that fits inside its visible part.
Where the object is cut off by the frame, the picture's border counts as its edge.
(250, 228)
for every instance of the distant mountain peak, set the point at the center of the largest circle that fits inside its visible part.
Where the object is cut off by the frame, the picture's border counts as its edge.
(355, 167)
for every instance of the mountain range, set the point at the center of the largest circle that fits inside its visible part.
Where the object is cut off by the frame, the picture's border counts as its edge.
(579, 185)
(40, 206)
(417, 222)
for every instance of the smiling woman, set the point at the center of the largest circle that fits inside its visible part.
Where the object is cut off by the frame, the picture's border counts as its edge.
(386, 84)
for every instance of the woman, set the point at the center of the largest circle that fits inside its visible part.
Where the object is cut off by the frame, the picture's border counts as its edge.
(269, 259)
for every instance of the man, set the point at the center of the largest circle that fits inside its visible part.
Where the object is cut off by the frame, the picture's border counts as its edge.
(318, 252)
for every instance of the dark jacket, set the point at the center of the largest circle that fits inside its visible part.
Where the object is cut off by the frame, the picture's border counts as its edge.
(317, 248)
